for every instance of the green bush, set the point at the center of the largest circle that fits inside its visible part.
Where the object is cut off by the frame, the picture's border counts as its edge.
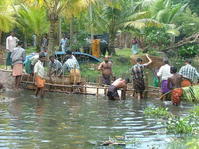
(188, 51)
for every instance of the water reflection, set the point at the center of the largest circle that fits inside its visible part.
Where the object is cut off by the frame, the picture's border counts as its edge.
(80, 122)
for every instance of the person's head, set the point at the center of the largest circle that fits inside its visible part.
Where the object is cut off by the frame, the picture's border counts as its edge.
(106, 59)
(68, 54)
(52, 58)
(42, 56)
(188, 61)
(139, 60)
(127, 80)
(173, 70)
(20, 43)
(12, 34)
(166, 61)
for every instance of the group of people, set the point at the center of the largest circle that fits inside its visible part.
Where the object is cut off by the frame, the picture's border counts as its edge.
(138, 79)
(173, 81)
(16, 58)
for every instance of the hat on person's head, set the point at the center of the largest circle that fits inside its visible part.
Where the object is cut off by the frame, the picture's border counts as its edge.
(42, 54)
(68, 52)
(138, 60)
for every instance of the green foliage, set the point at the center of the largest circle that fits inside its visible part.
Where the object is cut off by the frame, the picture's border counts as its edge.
(180, 126)
(156, 36)
(159, 112)
(6, 16)
(32, 20)
(79, 41)
(188, 51)
(195, 111)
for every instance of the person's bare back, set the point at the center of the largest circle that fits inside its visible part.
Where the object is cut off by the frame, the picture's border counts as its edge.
(175, 81)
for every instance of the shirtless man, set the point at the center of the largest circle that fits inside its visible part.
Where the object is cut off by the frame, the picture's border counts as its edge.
(112, 90)
(174, 84)
(106, 68)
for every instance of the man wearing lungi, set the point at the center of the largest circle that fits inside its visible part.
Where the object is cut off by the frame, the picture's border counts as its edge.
(174, 83)
(11, 43)
(18, 57)
(138, 76)
(117, 84)
(106, 68)
(164, 73)
(39, 73)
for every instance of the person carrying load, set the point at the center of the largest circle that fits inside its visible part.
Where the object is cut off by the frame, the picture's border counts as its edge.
(72, 65)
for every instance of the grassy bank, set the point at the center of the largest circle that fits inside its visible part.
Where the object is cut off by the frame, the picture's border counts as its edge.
(121, 66)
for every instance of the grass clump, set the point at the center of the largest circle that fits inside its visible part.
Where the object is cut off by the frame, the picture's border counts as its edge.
(157, 112)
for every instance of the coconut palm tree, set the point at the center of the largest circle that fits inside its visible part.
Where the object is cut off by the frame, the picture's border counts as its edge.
(6, 16)
(32, 20)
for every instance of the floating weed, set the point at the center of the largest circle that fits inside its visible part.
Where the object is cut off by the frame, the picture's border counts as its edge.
(195, 111)
(157, 112)
(179, 125)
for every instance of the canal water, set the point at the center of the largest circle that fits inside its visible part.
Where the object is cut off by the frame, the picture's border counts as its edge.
(62, 121)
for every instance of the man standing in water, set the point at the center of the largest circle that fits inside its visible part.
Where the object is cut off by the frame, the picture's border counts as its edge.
(138, 76)
(189, 73)
(18, 57)
(11, 43)
(174, 83)
(39, 74)
(117, 84)
(164, 73)
(106, 68)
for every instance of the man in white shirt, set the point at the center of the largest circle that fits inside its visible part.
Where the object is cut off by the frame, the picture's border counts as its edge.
(11, 43)
(164, 73)
(39, 73)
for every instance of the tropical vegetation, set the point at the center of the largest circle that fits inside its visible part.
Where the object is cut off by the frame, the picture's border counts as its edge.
(156, 23)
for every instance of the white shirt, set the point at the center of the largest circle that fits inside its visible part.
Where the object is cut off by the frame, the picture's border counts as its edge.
(11, 43)
(39, 69)
(164, 72)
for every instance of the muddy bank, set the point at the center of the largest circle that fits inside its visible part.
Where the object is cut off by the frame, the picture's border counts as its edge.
(6, 78)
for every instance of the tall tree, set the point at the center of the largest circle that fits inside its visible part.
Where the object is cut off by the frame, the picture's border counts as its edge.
(32, 20)
(6, 16)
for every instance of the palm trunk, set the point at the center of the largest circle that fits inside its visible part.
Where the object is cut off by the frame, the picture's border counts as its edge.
(38, 42)
(0, 39)
(52, 36)
(71, 32)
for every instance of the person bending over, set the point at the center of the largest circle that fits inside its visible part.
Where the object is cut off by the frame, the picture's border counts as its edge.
(117, 84)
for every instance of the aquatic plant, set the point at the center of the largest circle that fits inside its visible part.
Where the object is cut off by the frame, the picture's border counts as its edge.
(180, 125)
(191, 94)
(195, 111)
(157, 112)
